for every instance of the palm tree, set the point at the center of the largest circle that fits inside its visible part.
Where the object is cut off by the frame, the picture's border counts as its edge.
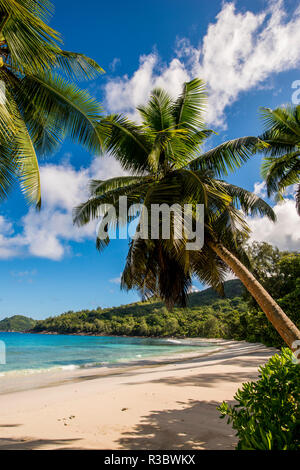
(281, 166)
(164, 156)
(39, 107)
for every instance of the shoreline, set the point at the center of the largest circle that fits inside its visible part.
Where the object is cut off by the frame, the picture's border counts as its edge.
(167, 404)
(45, 332)
(28, 379)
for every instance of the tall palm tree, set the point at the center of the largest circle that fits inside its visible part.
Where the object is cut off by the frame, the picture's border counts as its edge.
(39, 104)
(281, 165)
(167, 165)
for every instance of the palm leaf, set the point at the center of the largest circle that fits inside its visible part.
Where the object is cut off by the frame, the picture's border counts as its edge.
(19, 156)
(8, 167)
(190, 105)
(32, 43)
(46, 133)
(98, 187)
(71, 109)
(43, 9)
(78, 66)
(281, 172)
(157, 113)
(228, 156)
(28, 167)
(126, 141)
(90, 209)
(249, 202)
(284, 120)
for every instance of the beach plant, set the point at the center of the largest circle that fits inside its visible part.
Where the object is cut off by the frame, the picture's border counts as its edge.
(281, 165)
(39, 103)
(169, 166)
(267, 413)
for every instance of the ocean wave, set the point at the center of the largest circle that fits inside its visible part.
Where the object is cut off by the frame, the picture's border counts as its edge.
(175, 341)
(65, 367)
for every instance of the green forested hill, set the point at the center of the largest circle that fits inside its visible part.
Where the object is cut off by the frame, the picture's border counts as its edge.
(232, 289)
(17, 323)
(207, 315)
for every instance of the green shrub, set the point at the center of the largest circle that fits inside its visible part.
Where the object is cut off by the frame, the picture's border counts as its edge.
(267, 415)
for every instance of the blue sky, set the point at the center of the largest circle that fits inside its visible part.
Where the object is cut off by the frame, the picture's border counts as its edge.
(249, 54)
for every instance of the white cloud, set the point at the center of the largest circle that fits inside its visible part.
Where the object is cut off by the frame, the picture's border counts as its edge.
(114, 64)
(23, 274)
(116, 280)
(125, 94)
(47, 233)
(10, 243)
(285, 233)
(106, 167)
(193, 289)
(260, 189)
(240, 51)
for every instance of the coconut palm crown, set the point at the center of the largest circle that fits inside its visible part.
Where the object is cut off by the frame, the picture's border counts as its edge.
(167, 165)
(39, 104)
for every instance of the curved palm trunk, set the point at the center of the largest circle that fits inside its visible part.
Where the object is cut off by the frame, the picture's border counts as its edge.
(285, 327)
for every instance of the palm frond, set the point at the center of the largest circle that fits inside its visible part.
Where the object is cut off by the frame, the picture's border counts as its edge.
(90, 209)
(98, 187)
(32, 43)
(28, 167)
(19, 149)
(68, 107)
(152, 271)
(188, 109)
(228, 156)
(249, 202)
(280, 172)
(126, 141)
(46, 133)
(283, 120)
(43, 9)
(278, 143)
(8, 167)
(209, 269)
(78, 66)
(156, 114)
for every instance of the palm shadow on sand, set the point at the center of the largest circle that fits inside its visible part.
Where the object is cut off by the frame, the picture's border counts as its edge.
(196, 426)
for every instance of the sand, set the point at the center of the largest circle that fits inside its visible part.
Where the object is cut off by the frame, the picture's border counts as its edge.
(162, 404)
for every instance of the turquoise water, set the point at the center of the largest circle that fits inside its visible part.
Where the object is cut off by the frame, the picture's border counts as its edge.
(33, 353)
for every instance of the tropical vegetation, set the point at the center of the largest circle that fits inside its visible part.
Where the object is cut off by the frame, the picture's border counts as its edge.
(40, 105)
(203, 318)
(168, 165)
(235, 316)
(281, 166)
(17, 323)
(267, 413)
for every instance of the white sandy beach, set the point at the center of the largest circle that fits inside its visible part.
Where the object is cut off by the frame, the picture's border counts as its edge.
(161, 404)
